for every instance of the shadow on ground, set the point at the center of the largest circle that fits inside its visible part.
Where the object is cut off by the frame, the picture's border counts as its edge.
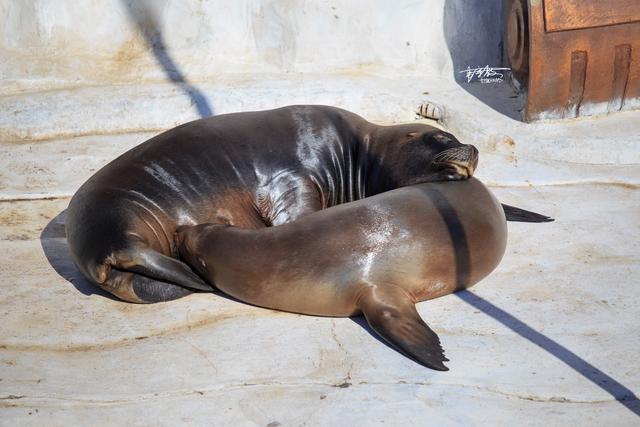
(54, 244)
(473, 32)
(56, 250)
(619, 392)
(144, 14)
(53, 240)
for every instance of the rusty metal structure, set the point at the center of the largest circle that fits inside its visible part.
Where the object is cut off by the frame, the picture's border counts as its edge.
(575, 57)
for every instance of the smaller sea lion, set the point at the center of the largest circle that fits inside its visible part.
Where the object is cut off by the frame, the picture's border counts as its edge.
(377, 256)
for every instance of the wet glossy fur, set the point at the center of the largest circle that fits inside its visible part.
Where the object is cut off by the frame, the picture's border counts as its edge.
(378, 256)
(251, 170)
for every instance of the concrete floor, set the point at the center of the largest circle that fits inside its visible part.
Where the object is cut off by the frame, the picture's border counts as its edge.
(550, 338)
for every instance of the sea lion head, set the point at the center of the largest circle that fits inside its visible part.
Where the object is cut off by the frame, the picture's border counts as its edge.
(432, 155)
(191, 241)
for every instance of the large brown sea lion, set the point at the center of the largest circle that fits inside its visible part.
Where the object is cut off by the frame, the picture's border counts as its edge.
(250, 170)
(378, 256)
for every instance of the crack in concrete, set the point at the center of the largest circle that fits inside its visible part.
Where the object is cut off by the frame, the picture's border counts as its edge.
(107, 345)
(530, 397)
(347, 380)
(13, 139)
(31, 400)
(32, 197)
(201, 353)
(565, 183)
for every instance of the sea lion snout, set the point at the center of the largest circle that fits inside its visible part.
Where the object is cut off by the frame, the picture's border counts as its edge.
(463, 160)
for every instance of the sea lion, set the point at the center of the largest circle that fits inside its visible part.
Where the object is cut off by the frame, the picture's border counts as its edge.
(378, 256)
(250, 170)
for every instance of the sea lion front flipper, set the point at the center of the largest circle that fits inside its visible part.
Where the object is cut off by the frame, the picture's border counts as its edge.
(393, 315)
(153, 264)
(138, 288)
(520, 215)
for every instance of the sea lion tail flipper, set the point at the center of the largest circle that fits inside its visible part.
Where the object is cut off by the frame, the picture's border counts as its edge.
(393, 315)
(520, 215)
(158, 266)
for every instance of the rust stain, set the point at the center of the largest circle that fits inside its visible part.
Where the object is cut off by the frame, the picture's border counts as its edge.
(125, 57)
(620, 76)
(25, 220)
(505, 145)
(573, 60)
(509, 141)
(577, 77)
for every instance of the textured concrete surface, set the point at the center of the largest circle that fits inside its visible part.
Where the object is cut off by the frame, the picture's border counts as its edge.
(71, 68)
(63, 43)
(550, 338)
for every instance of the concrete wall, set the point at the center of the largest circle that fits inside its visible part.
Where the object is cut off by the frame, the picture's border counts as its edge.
(254, 51)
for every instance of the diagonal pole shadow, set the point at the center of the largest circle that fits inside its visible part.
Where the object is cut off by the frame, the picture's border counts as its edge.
(143, 15)
(456, 230)
(619, 392)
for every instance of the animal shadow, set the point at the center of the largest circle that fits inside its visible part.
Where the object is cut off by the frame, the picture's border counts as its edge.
(54, 244)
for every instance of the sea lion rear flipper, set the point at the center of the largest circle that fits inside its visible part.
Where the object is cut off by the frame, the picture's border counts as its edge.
(153, 264)
(393, 315)
(520, 215)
